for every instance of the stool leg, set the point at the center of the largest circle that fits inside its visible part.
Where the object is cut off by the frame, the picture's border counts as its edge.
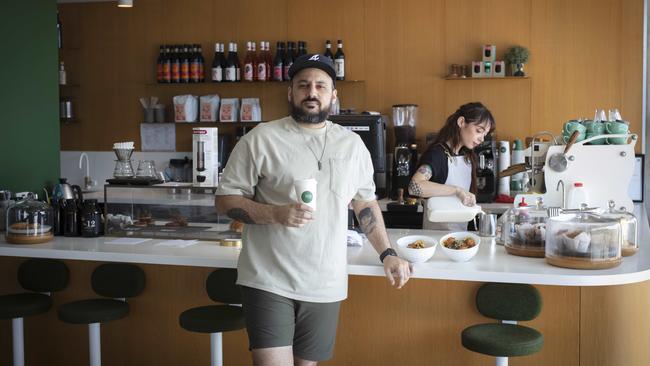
(502, 361)
(95, 345)
(18, 345)
(216, 349)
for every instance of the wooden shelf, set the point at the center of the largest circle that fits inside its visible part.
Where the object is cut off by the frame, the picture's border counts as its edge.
(206, 124)
(227, 83)
(490, 78)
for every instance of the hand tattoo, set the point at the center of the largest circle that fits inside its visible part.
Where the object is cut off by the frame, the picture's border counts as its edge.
(367, 220)
(240, 214)
(415, 189)
(426, 171)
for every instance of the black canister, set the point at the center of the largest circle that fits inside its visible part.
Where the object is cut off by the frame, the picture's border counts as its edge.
(72, 219)
(91, 219)
(58, 211)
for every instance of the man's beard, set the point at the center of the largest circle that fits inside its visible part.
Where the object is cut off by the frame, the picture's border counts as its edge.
(301, 115)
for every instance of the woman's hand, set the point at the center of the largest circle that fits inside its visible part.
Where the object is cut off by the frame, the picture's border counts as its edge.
(467, 198)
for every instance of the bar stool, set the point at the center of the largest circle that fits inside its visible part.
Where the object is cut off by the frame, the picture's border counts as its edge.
(43, 276)
(503, 301)
(115, 280)
(215, 319)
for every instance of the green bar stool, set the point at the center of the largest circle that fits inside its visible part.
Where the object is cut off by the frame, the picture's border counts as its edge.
(117, 282)
(216, 319)
(508, 303)
(43, 276)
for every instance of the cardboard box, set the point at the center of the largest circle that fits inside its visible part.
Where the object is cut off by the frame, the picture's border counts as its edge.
(205, 156)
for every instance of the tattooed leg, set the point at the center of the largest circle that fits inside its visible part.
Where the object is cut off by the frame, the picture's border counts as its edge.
(367, 220)
(240, 214)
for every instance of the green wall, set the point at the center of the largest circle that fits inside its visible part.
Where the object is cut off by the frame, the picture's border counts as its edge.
(29, 124)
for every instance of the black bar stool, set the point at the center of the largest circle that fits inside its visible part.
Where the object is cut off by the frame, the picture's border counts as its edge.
(215, 319)
(115, 280)
(509, 303)
(43, 276)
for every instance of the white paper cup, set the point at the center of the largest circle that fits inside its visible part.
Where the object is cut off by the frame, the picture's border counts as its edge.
(306, 191)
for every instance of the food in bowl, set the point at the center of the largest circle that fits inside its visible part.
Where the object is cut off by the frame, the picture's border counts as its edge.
(418, 244)
(416, 248)
(453, 243)
(460, 246)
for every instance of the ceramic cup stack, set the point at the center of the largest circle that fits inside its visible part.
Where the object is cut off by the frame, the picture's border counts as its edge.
(123, 167)
(574, 125)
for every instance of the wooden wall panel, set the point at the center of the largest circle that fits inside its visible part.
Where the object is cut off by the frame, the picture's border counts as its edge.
(584, 55)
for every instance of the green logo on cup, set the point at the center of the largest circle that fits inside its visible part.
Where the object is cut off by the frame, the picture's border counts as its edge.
(306, 196)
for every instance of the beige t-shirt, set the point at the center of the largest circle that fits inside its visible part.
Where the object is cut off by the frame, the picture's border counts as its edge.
(308, 263)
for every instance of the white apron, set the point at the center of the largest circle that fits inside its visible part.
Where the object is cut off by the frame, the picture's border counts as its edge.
(459, 174)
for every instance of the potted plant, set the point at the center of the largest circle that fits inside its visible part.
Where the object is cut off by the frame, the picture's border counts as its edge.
(517, 56)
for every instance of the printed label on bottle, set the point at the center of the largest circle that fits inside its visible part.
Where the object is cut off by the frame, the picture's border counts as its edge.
(340, 67)
(261, 72)
(185, 71)
(277, 73)
(167, 72)
(286, 71)
(231, 73)
(176, 71)
(194, 71)
(217, 74)
(248, 72)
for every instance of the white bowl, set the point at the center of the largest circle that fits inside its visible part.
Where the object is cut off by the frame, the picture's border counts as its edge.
(416, 255)
(461, 255)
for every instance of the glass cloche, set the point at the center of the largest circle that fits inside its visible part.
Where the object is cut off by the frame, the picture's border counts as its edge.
(525, 230)
(630, 240)
(29, 222)
(583, 240)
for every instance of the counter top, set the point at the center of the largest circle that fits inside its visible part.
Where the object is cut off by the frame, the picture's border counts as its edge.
(491, 264)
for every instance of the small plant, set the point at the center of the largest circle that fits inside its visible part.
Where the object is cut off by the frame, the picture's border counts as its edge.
(517, 55)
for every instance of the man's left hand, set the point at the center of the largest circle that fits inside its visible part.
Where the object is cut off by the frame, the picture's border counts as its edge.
(398, 271)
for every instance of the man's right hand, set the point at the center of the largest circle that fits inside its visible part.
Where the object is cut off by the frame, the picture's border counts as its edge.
(293, 215)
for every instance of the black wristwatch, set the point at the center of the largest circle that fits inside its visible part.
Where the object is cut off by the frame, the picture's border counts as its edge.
(386, 253)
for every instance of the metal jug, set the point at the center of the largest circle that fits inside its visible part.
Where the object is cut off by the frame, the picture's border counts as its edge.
(65, 191)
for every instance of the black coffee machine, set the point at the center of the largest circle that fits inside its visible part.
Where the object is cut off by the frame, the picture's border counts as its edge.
(405, 154)
(486, 171)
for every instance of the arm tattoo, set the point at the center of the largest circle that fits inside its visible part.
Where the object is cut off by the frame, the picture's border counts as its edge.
(415, 189)
(426, 171)
(367, 220)
(240, 214)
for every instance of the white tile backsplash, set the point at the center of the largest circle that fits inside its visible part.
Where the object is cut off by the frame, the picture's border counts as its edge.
(102, 163)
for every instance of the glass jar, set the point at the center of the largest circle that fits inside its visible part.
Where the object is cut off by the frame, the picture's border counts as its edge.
(630, 240)
(91, 219)
(29, 222)
(525, 230)
(583, 240)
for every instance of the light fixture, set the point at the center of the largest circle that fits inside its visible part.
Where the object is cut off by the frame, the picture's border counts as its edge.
(124, 3)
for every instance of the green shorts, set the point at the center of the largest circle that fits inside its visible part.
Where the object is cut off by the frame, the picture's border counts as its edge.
(276, 321)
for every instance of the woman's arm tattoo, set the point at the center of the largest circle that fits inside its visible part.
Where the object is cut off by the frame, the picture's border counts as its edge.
(426, 171)
(241, 215)
(415, 189)
(367, 220)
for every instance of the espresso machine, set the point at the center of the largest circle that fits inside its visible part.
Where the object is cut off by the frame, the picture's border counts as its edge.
(486, 171)
(404, 122)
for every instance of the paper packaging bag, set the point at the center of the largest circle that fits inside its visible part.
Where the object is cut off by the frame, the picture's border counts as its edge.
(185, 108)
(250, 110)
(209, 107)
(229, 110)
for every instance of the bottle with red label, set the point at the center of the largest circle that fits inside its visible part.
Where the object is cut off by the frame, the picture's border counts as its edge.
(176, 65)
(167, 66)
(185, 64)
(278, 62)
(262, 66)
(269, 62)
(249, 64)
(288, 60)
(195, 72)
(160, 63)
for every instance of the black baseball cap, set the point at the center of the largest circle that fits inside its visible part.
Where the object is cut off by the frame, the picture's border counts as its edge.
(313, 60)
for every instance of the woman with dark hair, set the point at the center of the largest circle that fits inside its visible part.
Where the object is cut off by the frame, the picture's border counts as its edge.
(448, 166)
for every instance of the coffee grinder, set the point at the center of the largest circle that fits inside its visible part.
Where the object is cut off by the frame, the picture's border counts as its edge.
(486, 171)
(404, 122)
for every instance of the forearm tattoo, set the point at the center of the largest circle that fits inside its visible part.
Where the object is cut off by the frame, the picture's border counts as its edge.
(426, 171)
(367, 220)
(241, 215)
(415, 189)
